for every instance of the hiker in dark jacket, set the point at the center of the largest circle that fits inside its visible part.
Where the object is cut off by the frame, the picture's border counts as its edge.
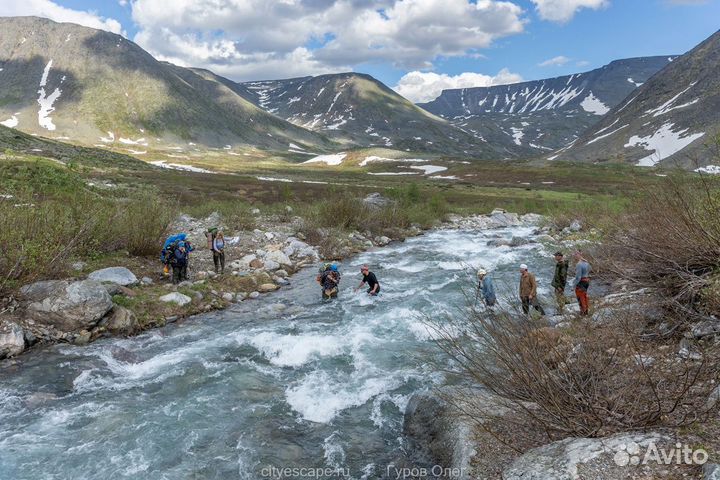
(560, 281)
(179, 263)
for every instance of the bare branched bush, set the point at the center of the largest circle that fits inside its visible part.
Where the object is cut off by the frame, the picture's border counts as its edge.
(670, 240)
(590, 379)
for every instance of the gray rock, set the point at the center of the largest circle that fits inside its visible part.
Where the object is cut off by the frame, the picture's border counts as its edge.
(713, 400)
(82, 338)
(78, 266)
(228, 297)
(270, 265)
(706, 328)
(255, 211)
(146, 281)
(711, 471)
(12, 339)
(117, 275)
(501, 218)
(382, 240)
(575, 226)
(267, 287)
(278, 257)
(281, 274)
(67, 306)
(599, 458)
(375, 200)
(280, 280)
(532, 219)
(687, 351)
(253, 295)
(176, 297)
(121, 321)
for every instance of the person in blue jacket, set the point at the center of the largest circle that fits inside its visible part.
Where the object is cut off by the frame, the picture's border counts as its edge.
(486, 288)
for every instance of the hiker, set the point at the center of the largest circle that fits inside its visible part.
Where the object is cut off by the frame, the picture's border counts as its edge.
(560, 281)
(582, 282)
(216, 243)
(528, 291)
(168, 250)
(486, 288)
(370, 280)
(179, 262)
(329, 279)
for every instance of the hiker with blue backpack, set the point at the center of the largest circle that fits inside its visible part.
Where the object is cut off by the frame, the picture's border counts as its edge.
(175, 255)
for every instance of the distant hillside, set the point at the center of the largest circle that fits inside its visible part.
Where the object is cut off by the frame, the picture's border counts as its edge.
(70, 82)
(357, 109)
(15, 141)
(543, 115)
(668, 120)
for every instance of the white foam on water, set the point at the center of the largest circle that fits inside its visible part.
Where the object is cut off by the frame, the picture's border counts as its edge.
(318, 397)
(294, 350)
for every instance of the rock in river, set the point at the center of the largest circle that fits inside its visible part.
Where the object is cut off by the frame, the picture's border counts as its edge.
(12, 340)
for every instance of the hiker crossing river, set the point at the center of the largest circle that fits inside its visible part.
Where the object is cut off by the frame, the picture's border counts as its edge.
(283, 381)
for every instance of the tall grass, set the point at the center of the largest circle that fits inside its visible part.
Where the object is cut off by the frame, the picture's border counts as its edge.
(51, 217)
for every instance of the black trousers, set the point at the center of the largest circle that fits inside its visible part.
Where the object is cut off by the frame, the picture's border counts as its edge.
(527, 303)
(179, 274)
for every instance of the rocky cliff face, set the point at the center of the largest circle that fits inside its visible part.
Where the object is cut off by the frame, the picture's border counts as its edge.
(670, 120)
(534, 117)
(358, 109)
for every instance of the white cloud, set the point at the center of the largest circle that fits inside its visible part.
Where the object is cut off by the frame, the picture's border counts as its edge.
(53, 11)
(420, 87)
(251, 39)
(558, 61)
(564, 10)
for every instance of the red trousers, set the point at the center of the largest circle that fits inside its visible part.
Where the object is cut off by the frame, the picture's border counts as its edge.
(582, 296)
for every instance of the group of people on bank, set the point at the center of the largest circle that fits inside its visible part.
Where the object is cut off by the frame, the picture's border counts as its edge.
(175, 256)
(528, 285)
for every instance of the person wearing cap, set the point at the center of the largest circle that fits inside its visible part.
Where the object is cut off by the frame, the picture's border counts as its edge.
(528, 291)
(560, 281)
(370, 280)
(582, 282)
(486, 288)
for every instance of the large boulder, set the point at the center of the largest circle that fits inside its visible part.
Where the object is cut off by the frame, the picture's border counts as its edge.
(12, 339)
(279, 257)
(438, 432)
(117, 275)
(501, 218)
(300, 249)
(121, 321)
(67, 306)
(267, 287)
(614, 457)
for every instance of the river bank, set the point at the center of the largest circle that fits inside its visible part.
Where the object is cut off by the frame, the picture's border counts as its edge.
(130, 296)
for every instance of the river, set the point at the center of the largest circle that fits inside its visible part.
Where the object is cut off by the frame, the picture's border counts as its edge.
(284, 381)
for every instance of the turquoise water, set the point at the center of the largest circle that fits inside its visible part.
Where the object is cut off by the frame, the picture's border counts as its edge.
(285, 381)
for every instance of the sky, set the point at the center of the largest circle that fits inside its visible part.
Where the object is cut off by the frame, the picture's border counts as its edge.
(417, 47)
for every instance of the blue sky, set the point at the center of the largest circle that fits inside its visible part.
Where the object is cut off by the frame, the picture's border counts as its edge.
(415, 46)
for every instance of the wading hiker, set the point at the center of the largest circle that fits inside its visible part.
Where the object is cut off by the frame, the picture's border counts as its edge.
(486, 288)
(370, 280)
(528, 291)
(216, 243)
(582, 282)
(329, 279)
(560, 281)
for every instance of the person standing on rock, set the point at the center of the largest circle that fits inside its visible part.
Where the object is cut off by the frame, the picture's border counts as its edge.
(528, 291)
(486, 288)
(216, 243)
(370, 280)
(560, 281)
(582, 282)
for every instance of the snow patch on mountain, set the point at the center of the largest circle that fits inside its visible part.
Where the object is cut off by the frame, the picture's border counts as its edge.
(711, 169)
(669, 106)
(334, 159)
(664, 143)
(592, 104)
(46, 101)
(11, 122)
